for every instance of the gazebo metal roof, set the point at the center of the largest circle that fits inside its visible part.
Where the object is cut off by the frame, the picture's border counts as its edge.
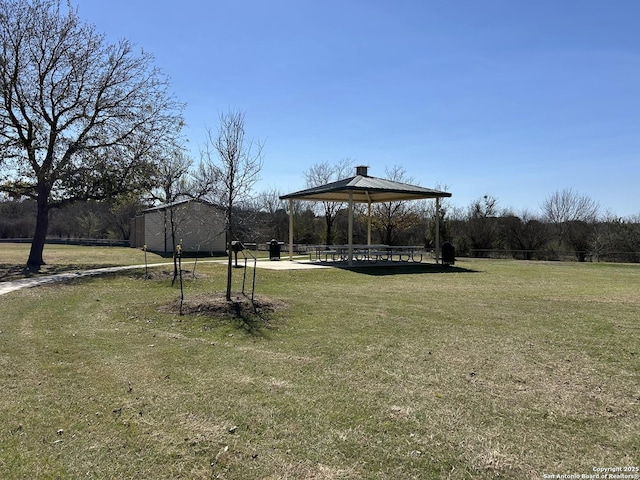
(363, 189)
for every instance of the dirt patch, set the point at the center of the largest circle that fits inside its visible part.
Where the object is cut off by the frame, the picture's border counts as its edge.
(216, 305)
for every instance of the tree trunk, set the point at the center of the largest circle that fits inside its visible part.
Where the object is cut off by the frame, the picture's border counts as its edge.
(388, 234)
(40, 235)
(173, 244)
(329, 223)
(229, 232)
(229, 268)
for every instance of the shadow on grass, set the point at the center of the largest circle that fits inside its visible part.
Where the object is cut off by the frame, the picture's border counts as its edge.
(19, 272)
(12, 272)
(407, 268)
(254, 324)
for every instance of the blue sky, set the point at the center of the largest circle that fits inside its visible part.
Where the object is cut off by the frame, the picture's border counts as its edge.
(512, 98)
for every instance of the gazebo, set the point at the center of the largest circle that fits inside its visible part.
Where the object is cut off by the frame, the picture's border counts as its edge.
(364, 189)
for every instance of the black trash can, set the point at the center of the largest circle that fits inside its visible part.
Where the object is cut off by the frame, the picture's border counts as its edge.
(448, 253)
(274, 250)
(237, 246)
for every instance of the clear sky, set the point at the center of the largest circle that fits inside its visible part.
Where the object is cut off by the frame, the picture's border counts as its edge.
(512, 98)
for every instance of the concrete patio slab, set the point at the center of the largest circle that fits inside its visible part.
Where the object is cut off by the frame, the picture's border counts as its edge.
(289, 265)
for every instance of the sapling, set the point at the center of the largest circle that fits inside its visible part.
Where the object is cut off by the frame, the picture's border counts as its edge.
(179, 255)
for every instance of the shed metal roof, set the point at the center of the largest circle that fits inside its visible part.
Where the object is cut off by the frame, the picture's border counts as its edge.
(167, 206)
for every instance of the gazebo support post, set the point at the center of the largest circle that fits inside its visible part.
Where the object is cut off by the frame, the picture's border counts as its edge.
(369, 223)
(437, 230)
(290, 229)
(350, 234)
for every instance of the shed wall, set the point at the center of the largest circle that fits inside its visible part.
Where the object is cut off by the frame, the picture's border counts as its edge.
(136, 233)
(200, 227)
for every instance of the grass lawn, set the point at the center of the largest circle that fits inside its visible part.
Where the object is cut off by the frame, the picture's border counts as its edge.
(499, 368)
(64, 258)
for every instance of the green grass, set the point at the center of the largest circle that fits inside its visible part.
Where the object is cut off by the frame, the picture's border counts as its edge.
(500, 368)
(65, 258)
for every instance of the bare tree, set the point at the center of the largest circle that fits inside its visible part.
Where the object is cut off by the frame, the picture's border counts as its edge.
(231, 164)
(275, 209)
(172, 170)
(391, 219)
(618, 238)
(568, 206)
(78, 116)
(429, 214)
(321, 174)
(481, 225)
(573, 216)
(525, 234)
(122, 210)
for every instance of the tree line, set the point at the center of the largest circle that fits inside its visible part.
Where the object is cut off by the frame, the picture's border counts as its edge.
(569, 225)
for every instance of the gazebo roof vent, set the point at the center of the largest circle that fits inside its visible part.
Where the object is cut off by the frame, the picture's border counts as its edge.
(362, 170)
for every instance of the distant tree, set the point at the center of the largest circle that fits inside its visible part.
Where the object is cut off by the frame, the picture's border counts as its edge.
(359, 226)
(617, 239)
(307, 227)
(456, 219)
(392, 219)
(78, 115)
(277, 220)
(89, 224)
(525, 234)
(481, 225)
(122, 209)
(231, 165)
(16, 218)
(573, 216)
(80, 220)
(428, 216)
(320, 174)
(428, 209)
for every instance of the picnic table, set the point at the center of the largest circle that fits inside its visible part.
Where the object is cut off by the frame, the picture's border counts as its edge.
(371, 253)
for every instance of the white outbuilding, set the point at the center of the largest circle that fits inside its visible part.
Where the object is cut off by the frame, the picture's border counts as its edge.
(195, 224)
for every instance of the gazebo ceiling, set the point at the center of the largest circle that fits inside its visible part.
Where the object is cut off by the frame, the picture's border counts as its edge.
(365, 189)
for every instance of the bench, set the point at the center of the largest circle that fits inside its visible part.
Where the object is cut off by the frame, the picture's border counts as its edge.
(320, 253)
